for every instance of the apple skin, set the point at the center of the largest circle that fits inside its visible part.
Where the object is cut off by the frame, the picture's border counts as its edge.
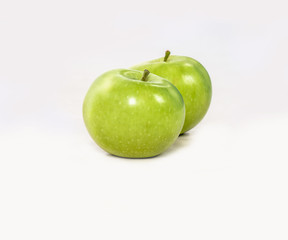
(190, 78)
(131, 118)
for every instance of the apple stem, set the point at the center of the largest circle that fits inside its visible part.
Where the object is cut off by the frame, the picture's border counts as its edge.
(145, 75)
(167, 54)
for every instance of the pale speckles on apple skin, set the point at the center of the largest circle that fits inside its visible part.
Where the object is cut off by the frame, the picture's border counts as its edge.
(142, 129)
(191, 79)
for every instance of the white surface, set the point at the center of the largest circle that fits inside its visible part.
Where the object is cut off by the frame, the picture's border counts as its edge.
(226, 179)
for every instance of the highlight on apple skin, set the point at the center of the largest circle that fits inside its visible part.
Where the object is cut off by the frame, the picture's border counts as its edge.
(133, 114)
(190, 78)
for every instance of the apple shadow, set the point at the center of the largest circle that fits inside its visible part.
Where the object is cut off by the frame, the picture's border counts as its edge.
(183, 140)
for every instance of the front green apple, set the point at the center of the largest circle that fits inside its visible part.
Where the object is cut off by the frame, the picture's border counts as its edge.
(190, 78)
(134, 115)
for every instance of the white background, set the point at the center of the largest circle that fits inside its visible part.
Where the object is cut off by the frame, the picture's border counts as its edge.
(225, 179)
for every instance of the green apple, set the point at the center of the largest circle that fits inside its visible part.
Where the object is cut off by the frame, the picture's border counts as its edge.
(190, 78)
(133, 114)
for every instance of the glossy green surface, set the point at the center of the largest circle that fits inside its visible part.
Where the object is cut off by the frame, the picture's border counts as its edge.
(131, 118)
(191, 79)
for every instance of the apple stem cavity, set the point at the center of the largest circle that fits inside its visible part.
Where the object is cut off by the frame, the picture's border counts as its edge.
(167, 54)
(145, 75)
